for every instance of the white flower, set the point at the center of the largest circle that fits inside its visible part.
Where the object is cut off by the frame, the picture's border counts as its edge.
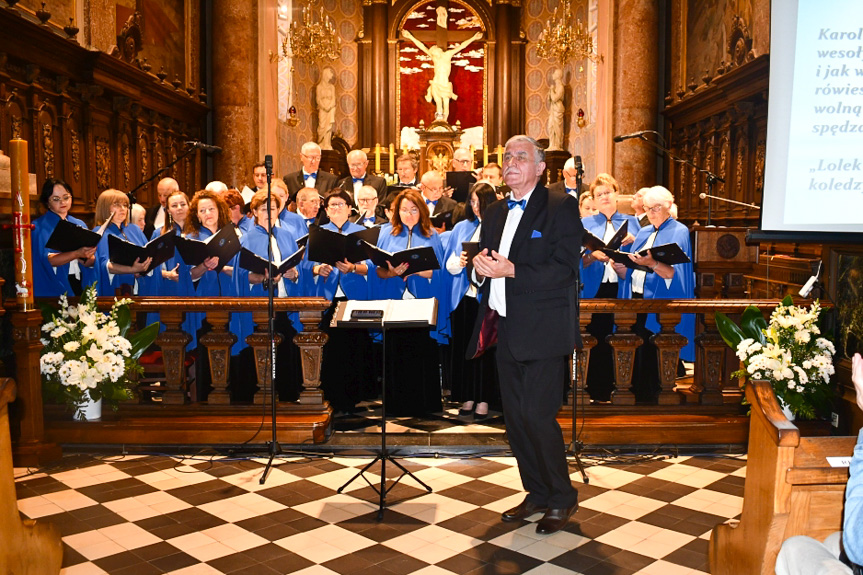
(58, 332)
(95, 353)
(802, 336)
(71, 345)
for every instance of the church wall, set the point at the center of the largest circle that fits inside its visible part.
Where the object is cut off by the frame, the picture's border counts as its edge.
(578, 94)
(347, 16)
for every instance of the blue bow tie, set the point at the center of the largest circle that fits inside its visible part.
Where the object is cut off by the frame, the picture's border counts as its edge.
(358, 180)
(310, 220)
(431, 202)
(513, 203)
(570, 190)
(307, 176)
(372, 220)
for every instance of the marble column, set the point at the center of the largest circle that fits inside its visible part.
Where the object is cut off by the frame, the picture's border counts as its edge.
(235, 90)
(636, 61)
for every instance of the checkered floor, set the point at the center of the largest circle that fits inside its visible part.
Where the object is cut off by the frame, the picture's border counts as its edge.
(158, 514)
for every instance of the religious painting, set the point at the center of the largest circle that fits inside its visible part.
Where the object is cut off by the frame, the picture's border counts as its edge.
(849, 303)
(420, 88)
(163, 35)
(708, 24)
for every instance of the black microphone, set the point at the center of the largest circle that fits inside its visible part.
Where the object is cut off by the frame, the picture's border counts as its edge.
(268, 164)
(579, 167)
(638, 134)
(206, 147)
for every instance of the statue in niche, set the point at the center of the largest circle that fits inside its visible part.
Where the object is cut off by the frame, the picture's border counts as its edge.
(325, 98)
(440, 88)
(555, 111)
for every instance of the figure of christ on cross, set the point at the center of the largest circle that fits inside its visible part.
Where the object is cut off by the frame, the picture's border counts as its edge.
(440, 88)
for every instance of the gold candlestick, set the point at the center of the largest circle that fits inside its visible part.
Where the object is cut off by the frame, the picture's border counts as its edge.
(392, 159)
(377, 158)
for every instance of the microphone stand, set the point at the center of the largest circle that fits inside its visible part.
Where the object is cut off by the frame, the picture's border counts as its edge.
(711, 177)
(579, 175)
(274, 448)
(131, 194)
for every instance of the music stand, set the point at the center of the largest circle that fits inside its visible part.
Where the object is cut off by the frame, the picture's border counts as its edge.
(385, 315)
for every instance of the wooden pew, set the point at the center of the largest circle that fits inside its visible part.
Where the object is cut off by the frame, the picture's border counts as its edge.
(790, 490)
(28, 548)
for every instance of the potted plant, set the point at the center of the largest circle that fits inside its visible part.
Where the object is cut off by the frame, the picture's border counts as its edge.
(87, 357)
(788, 352)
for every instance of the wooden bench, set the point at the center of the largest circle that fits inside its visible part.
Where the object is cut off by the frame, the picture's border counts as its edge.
(790, 490)
(28, 548)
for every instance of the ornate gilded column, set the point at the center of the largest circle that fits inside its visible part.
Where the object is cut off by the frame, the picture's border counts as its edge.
(259, 341)
(624, 342)
(235, 89)
(219, 341)
(634, 107)
(173, 343)
(669, 345)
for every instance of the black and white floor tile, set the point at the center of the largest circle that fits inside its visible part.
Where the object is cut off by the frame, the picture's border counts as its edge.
(147, 514)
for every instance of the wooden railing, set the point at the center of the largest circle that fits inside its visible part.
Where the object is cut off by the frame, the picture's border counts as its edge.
(710, 393)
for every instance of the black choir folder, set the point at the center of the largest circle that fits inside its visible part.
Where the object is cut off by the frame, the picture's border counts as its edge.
(329, 247)
(472, 249)
(592, 242)
(224, 244)
(442, 219)
(419, 259)
(670, 254)
(258, 265)
(67, 237)
(387, 313)
(160, 248)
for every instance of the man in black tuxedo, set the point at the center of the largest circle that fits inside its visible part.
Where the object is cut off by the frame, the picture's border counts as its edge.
(528, 265)
(367, 201)
(310, 176)
(431, 187)
(358, 162)
(156, 216)
(569, 183)
(493, 174)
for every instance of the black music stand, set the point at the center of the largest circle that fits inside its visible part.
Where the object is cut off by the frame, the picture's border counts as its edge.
(385, 315)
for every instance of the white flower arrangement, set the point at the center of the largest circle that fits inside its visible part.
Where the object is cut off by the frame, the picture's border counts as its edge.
(86, 354)
(789, 352)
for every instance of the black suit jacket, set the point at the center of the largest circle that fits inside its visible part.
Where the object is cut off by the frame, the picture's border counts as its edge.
(324, 182)
(560, 186)
(377, 182)
(150, 219)
(540, 300)
(446, 204)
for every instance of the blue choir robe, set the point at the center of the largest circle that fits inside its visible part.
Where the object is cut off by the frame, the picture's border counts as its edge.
(293, 222)
(458, 284)
(182, 288)
(354, 286)
(246, 224)
(256, 242)
(49, 281)
(212, 284)
(681, 286)
(108, 283)
(591, 275)
(420, 287)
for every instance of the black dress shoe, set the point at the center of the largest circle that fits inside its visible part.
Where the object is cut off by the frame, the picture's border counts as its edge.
(555, 519)
(521, 511)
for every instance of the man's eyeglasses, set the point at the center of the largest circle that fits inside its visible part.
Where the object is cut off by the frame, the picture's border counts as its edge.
(366, 200)
(312, 158)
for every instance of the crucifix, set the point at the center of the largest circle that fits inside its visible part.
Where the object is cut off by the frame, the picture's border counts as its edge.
(440, 88)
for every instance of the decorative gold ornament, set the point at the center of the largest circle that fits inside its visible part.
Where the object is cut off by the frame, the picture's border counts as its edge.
(559, 42)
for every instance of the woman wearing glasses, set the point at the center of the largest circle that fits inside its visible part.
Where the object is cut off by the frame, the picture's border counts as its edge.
(601, 281)
(57, 273)
(346, 371)
(112, 206)
(662, 282)
(412, 355)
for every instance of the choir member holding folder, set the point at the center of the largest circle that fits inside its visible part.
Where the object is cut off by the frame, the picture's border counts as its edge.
(340, 273)
(210, 270)
(112, 215)
(58, 272)
(251, 278)
(413, 362)
(473, 381)
(658, 280)
(607, 229)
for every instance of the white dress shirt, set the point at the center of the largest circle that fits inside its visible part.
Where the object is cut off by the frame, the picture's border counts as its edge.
(497, 291)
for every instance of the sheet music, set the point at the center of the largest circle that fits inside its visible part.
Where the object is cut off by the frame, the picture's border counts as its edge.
(397, 311)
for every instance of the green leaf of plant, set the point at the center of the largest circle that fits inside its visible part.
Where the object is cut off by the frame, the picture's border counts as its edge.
(731, 334)
(142, 339)
(124, 319)
(787, 301)
(752, 323)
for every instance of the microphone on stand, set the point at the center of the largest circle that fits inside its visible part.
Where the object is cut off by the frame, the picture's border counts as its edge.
(703, 196)
(639, 134)
(206, 147)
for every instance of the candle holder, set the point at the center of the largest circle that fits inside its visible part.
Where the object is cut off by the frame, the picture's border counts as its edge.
(292, 116)
(11, 6)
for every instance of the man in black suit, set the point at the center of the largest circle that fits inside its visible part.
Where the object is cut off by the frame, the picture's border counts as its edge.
(431, 188)
(156, 216)
(528, 265)
(493, 174)
(310, 176)
(367, 201)
(358, 162)
(569, 183)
